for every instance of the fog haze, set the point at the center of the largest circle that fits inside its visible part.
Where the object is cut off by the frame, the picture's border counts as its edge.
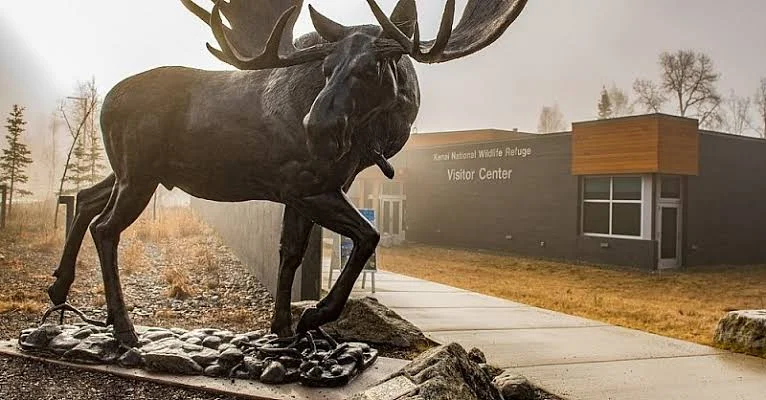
(557, 52)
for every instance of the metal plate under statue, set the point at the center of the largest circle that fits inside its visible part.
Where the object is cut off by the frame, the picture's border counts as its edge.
(295, 125)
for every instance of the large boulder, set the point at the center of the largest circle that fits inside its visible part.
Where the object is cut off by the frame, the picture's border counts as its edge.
(366, 320)
(442, 373)
(743, 331)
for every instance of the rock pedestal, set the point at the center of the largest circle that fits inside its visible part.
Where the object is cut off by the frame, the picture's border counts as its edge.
(366, 320)
(743, 331)
(212, 352)
(442, 373)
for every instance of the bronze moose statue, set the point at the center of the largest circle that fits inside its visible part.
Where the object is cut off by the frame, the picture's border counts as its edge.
(294, 124)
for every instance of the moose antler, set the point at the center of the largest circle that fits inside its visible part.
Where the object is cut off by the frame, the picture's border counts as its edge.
(483, 22)
(261, 28)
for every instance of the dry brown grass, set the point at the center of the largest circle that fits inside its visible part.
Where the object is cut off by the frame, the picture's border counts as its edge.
(24, 301)
(684, 304)
(210, 268)
(133, 258)
(179, 284)
(171, 223)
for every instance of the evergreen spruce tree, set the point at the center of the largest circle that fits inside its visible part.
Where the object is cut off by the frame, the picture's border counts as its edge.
(15, 158)
(604, 105)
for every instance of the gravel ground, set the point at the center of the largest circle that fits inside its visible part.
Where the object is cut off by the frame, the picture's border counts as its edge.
(25, 380)
(187, 282)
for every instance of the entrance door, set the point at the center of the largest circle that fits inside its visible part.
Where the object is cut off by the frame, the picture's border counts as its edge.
(669, 235)
(391, 216)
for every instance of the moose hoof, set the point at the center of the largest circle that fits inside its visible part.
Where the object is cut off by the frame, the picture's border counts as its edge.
(310, 320)
(126, 337)
(283, 331)
(58, 292)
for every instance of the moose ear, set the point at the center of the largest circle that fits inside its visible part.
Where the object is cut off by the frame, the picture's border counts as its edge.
(405, 16)
(328, 29)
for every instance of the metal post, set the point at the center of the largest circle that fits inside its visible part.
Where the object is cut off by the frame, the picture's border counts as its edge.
(3, 195)
(68, 201)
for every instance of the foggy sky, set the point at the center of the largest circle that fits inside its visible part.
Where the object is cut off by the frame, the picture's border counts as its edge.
(558, 51)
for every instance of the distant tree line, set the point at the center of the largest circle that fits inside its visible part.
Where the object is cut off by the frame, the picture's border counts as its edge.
(688, 87)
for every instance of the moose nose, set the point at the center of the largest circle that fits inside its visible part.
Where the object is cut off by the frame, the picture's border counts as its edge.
(327, 136)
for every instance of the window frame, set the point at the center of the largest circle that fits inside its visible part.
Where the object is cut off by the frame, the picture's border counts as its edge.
(611, 201)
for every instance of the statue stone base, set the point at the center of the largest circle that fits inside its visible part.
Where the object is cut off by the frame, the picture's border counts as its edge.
(314, 359)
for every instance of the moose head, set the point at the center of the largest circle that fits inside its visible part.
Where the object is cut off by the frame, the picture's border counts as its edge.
(360, 64)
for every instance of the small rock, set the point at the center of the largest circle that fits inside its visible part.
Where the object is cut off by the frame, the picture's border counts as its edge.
(178, 331)
(238, 340)
(167, 343)
(231, 356)
(158, 335)
(514, 386)
(274, 373)
(255, 335)
(40, 337)
(194, 340)
(307, 365)
(743, 331)
(336, 370)
(63, 342)
(98, 348)
(130, 359)
(315, 372)
(226, 346)
(212, 342)
(226, 336)
(477, 356)
(204, 357)
(215, 370)
(82, 333)
(173, 361)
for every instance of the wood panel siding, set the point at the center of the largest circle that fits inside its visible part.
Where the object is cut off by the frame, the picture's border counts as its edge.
(654, 143)
(679, 146)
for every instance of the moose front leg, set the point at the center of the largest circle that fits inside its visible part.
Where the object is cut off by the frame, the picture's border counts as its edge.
(335, 212)
(296, 230)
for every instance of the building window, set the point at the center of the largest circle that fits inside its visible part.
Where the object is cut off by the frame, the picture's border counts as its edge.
(612, 206)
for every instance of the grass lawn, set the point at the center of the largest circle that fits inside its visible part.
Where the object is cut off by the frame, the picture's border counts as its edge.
(683, 304)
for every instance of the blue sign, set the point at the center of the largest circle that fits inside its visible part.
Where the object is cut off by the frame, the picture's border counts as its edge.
(346, 245)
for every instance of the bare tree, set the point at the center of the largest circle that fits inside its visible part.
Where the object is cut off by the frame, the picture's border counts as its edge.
(621, 105)
(87, 106)
(551, 120)
(649, 95)
(760, 105)
(689, 78)
(735, 114)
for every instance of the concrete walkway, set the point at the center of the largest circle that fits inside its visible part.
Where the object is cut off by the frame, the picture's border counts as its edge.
(572, 357)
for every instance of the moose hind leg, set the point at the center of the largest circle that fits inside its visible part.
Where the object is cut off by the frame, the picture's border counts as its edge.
(90, 202)
(334, 211)
(128, 201)
(296, 230)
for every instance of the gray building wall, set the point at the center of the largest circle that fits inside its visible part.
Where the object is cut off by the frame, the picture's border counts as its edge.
(252, 230)
(725, 214)
(535, 213)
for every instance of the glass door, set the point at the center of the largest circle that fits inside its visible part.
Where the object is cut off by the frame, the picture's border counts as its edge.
(669, 235)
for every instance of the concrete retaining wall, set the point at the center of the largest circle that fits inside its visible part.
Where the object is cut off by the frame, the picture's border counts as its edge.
(252, 230)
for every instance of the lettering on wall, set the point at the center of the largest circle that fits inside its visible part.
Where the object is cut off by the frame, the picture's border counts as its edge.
(486, 153)
(488, 173)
